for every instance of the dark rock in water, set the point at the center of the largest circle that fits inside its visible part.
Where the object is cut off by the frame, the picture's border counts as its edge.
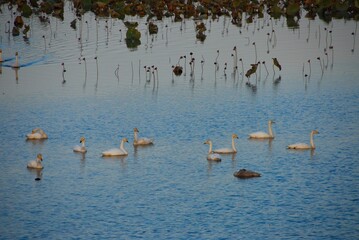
(243, 173)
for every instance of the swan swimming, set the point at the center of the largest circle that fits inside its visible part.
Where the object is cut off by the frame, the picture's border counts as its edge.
(264, 135)
(303, 146)
(36, 133)
(116, 151)
(212, 156)
(37, 164)
(140, 141)
(228, 150)
(82, 148)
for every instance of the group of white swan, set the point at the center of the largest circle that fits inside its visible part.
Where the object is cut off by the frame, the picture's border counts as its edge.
(38, 134)
(213, 155)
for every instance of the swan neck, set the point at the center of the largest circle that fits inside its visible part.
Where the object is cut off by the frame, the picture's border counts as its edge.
(270, 131)
(135, 134)
(121, 147)
(312, 140)
(83, 144)
(233, 145)
(210, 147)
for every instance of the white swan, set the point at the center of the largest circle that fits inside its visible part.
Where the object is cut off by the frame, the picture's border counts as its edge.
(140, 141)
(36, 133)
(36, 163)
(212, 156)
(264, 135)
(116, 151)
(82, 148)
(303, 146)
(228, 150)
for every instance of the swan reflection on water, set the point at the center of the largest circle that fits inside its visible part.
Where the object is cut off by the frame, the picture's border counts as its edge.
(36, 172)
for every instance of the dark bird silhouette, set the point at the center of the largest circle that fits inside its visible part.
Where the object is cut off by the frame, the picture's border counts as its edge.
(276, 63)
(252, 70)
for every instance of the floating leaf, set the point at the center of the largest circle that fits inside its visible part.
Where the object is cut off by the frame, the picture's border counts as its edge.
(131, 24)
(26, 11)
(15, 31)
(26, 29)
(275, 12)
(201, 36)
(132, 43)
(133, 33)
(292, 23)
(293, 9)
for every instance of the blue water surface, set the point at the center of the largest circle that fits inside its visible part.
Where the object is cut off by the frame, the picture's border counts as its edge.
(169, 190)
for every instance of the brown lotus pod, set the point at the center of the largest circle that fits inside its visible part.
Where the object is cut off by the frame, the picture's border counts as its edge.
(18, 22)
(177, 70)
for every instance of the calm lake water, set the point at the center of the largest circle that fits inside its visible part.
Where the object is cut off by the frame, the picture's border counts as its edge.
(169, 190)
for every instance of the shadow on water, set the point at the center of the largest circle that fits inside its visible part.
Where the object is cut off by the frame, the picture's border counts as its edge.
(36, 141)
(114, 159)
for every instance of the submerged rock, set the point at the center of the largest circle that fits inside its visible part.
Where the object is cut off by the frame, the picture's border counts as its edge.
(244, 173)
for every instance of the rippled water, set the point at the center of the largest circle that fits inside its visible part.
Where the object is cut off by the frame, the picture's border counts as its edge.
(170, 190)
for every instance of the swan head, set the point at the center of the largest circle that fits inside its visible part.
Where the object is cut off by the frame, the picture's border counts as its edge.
(207, 141)
(82, 139)
(315, 132)
(271, 121)
(39, 156)
(136, 130)
(124, 140)
(234, 136)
